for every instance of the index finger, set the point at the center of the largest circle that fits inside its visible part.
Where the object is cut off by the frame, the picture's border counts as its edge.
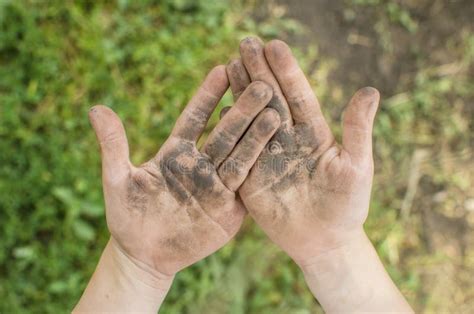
(233, 125)
(192, 121)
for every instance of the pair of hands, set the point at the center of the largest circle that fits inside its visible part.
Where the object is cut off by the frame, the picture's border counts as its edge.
(308, 193)
(272, 155)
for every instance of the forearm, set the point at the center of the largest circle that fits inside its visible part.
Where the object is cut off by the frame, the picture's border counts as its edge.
(352, 279)
(121, 285)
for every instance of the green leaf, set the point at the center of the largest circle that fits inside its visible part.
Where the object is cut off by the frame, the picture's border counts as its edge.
(83, 230)
(24, 252)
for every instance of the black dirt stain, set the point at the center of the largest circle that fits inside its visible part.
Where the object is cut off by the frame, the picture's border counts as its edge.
(265, 127)
(174, 186)
(238, 73)
(223, 143)
(288, 179)
(251, 46)
(177, 244)
(186, 181)
(197, 119)
(236, 128)
(312, 165)
(277, 104)
(219, 148)
(173, 172)
(136, 194)
(286, 139)
(259, 92)
(202, 175)
(305, 137)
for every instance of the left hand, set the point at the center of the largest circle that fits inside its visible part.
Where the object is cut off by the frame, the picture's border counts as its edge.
(181, 205)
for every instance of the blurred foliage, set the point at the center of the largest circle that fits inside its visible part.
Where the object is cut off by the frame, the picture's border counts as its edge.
(145, 59)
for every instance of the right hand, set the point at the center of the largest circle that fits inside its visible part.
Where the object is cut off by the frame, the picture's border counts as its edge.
(310, 194)
(307, 192)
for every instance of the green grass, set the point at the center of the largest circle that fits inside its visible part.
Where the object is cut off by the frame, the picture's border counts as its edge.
(145, 59)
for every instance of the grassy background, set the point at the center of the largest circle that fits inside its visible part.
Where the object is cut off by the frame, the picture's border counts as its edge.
(145, 59)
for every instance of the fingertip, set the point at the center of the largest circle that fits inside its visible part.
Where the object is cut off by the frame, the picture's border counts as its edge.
(250, 40)
(237, 76)
(368, 97)
(218, 78)
(369, 91)
(273, 115)
(280, 57)
(250, 45)
(277, 48)
(92, 112)
(104, 121)
(261, 91)
(358, 124)
(234, 63)
(96, 111)
(218, 71)
(269, 122)
(101, 110)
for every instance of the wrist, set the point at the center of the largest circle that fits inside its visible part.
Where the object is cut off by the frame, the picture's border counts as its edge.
(330, 275)
(351, 278)
(123, 284)
(325, 244)
(135, 274)
(339, 251)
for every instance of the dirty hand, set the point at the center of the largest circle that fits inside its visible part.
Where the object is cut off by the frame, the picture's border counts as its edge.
(181, 206)
(306, 191)
(310, 194)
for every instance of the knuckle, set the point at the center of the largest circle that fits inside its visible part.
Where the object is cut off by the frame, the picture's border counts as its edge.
(110, 138)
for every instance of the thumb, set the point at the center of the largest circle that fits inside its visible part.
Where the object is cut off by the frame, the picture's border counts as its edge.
(357, 126)
(113, 143)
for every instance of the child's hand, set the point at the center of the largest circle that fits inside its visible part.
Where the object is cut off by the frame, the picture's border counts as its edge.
(310, 194)
(180, 206)
(307, 192)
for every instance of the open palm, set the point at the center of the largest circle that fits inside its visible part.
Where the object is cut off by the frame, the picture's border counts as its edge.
(306, 191)
(181, 205)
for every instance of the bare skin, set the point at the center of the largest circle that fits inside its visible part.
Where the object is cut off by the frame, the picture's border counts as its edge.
(310, 194)
(182, 205)
(305, 179)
